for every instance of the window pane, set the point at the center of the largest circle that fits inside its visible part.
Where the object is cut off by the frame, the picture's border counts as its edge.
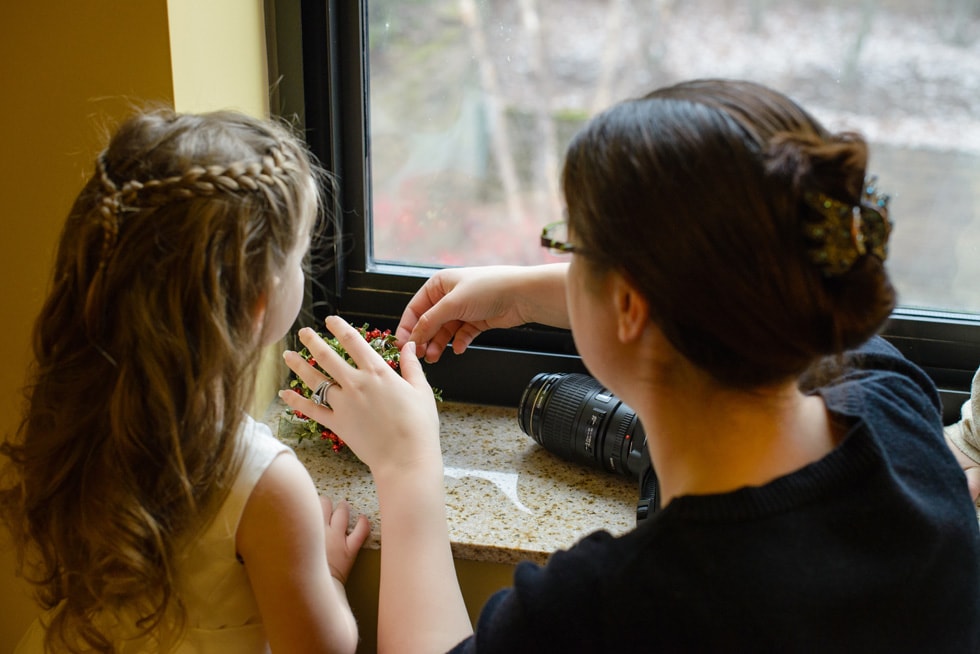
(472, 103)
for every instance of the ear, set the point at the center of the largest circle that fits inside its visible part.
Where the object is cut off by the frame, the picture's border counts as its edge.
(632, 309)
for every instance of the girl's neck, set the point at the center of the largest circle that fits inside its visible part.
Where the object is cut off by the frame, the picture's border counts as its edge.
(714, 441)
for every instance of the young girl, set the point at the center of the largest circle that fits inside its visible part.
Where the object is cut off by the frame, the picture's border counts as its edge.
(723, 244)
(151, 511)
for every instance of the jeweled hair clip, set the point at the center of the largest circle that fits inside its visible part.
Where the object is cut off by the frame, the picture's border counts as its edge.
(845, 232)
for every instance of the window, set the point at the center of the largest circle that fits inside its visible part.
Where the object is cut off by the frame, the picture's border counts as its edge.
(446, 121)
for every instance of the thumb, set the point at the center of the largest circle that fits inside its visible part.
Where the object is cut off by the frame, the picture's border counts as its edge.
(411, 367)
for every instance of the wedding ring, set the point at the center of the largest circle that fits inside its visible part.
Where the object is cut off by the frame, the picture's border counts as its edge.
(320, 394)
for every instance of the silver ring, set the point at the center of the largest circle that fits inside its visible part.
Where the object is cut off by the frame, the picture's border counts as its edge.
(320, 394)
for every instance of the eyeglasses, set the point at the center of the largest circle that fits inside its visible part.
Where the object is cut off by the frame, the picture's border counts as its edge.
(554, 236)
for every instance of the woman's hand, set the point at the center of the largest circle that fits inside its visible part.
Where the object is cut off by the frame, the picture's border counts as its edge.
(385, 418)
(457, 304)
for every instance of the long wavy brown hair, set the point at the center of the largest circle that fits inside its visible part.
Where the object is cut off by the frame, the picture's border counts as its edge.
(145, 354)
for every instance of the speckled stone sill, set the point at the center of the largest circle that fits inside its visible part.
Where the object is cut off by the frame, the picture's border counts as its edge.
(508, 499)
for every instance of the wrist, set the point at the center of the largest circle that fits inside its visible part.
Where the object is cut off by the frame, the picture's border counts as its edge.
(410, 489)
(406, 474)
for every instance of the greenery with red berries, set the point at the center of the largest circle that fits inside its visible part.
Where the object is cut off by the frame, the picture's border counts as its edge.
(383, 342)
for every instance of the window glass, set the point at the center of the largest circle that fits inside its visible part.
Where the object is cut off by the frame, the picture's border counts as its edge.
(471, 104)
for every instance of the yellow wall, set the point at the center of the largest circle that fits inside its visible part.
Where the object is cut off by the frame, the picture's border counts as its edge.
(69, 71)
(68, 68)
(218, 54)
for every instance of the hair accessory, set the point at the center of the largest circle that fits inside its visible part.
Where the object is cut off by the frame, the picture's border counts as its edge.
(842, 233)
(262, 175)
(109, 208)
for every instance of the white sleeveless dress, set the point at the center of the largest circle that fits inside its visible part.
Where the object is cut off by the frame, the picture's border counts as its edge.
(222, 614)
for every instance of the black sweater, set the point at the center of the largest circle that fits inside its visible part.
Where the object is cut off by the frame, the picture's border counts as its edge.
(874, 548)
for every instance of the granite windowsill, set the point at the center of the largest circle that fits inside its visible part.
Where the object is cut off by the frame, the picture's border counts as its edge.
(508, 499)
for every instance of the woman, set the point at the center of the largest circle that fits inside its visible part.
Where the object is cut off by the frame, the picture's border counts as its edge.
(726, 253)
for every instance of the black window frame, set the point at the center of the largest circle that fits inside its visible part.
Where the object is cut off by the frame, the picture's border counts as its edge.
(318, 63)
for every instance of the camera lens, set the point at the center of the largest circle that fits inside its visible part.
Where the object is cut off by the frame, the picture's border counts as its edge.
(575, 417)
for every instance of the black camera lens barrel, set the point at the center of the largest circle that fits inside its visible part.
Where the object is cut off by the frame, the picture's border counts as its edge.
(575, 417)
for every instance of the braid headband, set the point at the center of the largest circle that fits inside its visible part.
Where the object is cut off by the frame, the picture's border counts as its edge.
(842, 233)
(198, 181)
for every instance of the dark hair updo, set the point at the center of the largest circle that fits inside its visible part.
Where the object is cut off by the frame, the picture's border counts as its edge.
(696, 193)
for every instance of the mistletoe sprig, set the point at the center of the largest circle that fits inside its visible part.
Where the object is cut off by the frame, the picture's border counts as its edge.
(383, 342)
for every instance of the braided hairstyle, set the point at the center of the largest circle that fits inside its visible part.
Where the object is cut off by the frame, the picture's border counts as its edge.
(701, 193)
(145, 353)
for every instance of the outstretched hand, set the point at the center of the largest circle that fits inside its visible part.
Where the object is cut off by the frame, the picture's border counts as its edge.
(385, 418)
(457, 304)
(390, 421)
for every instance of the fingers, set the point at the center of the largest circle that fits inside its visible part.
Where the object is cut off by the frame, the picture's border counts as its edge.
(342, 545)
(308, 374)
(431, 333)
(411, 367)
(332, 364)
(432, 348)
(432, 317)
(326, 357)
(464, 337)
(359, 534)
(312, 377)
(421, 313)
(336, 517)
(407, 325)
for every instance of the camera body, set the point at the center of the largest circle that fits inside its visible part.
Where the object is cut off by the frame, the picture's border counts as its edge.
(576, 418)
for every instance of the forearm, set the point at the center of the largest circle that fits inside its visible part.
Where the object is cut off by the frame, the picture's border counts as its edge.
(421, 608)
(542, 295)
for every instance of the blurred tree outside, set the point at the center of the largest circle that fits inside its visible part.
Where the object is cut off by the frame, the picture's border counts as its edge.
(473, 101)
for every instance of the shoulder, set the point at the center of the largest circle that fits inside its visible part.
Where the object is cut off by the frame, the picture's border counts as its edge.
(876, 381)
(258, 449)
(283, 500)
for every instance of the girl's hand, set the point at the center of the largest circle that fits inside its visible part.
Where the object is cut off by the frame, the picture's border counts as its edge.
(388, 420)
(342, 546)
(391, 423)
